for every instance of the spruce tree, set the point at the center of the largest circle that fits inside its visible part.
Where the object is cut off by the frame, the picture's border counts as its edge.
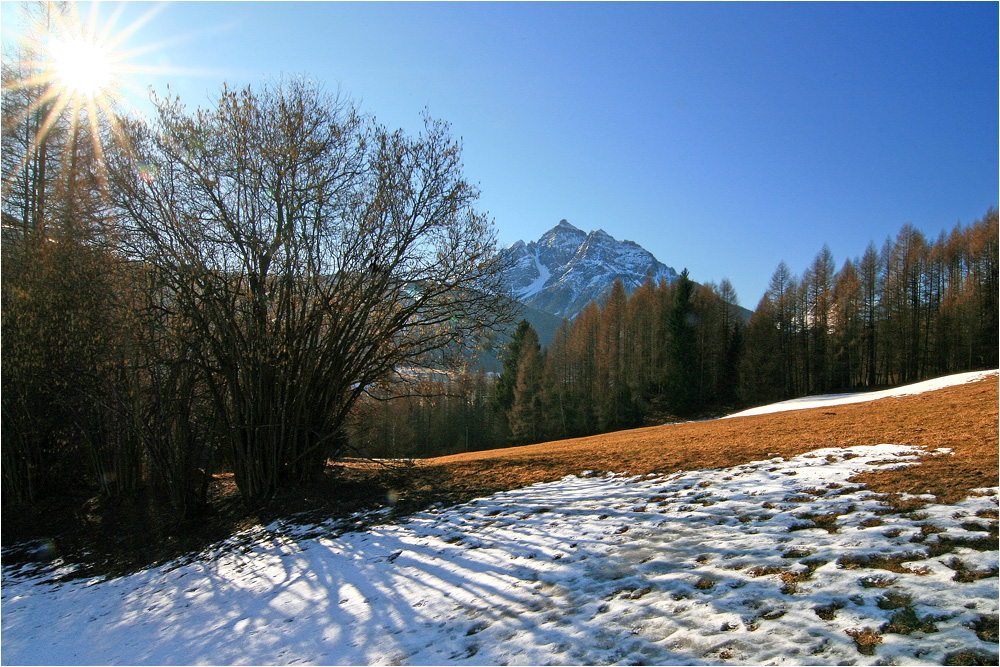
(504, 393)
(682, 375)
(527, 413)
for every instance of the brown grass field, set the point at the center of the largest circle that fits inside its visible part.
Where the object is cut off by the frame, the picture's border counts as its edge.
(963, 418)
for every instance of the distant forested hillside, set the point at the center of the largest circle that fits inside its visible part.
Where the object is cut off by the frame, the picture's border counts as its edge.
(914, 309)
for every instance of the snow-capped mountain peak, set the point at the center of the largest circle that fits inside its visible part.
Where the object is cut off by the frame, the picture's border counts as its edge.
(565, 225)
(567, 268)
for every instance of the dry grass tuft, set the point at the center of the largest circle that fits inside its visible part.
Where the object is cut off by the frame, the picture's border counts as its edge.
(827, 522)
(970, 656)
(987, 628)
(905, 622)
(964, 575)
(705, 583)
(632, 594)
(876, 581)
(892, 563)
(792, 579)
(773, 614)
(866, 639)
(944, 544)
(977, 526)
(894, 600)
(765, 570)
(797, 552)
(813, 564)
(828, 612)
(926, 530)
(895, 503)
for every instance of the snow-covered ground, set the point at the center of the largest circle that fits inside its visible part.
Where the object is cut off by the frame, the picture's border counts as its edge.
(771, 562)
(841, 399)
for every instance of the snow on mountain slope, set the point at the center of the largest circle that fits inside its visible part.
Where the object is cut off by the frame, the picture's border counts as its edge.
(539, 284)
(807, 402)
(567, 268)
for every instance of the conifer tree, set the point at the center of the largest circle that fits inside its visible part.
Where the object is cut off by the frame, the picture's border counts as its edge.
(732, 343)
(682, 376)
(584, 343)
(641, 315)
(560, 418)
(781, 297)
(611, 392)
(869, 270)
(762, 367)
(708, 342)
(527, 413)
(819, 286)
(503, 395)
(846, 355)
(984, 254)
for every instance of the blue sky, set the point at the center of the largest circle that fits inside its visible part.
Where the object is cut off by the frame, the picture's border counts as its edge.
(722, 137)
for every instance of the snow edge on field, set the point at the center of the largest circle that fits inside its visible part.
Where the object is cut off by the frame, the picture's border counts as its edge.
(826, 400)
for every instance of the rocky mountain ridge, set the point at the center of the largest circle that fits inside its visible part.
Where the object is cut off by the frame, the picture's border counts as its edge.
(567, 268)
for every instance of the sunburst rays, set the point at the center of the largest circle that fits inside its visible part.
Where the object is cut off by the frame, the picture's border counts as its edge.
(79, 71)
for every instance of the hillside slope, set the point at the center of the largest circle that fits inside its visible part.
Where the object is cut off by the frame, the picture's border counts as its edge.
(963, 418)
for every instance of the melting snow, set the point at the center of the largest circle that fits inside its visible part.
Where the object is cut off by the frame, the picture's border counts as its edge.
(770, 562)
(842, 399)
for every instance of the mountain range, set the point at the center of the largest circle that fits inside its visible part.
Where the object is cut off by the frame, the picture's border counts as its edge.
(567, 268)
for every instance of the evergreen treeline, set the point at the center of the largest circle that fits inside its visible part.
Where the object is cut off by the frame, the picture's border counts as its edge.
(913, 310)
(671, 350)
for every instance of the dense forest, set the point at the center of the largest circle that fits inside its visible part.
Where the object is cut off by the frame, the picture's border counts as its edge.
(913, 310)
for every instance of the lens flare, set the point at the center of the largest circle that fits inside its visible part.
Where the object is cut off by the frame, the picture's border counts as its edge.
(148, 172)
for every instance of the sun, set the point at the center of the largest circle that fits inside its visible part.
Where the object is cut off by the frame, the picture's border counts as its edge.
(77, 78)
(67, 81)
(82, 66)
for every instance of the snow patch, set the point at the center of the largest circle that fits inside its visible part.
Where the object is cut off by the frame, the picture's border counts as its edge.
(539, 284)
(826, 400)
(773, 561)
